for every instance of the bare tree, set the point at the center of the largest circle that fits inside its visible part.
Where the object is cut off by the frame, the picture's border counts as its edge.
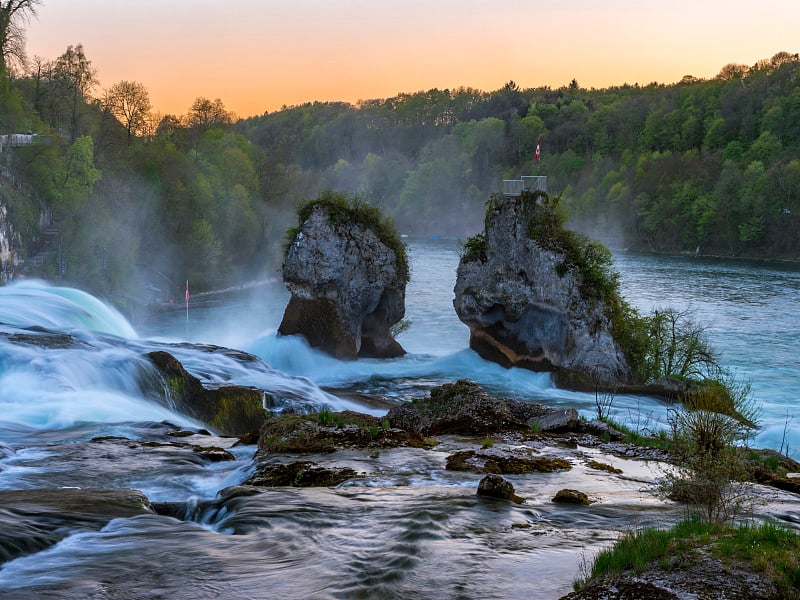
(73, 79)
(129, 102)
(205, 113)
(12, 38)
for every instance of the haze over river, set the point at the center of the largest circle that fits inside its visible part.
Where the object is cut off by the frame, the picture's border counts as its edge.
(408, 528)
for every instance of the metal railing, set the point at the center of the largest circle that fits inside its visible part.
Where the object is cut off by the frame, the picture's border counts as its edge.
(528, 183)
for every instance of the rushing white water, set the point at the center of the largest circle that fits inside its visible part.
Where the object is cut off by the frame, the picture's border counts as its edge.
(77, 394)
(37, 304)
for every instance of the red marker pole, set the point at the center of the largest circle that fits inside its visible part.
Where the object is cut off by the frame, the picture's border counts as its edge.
(187, 307)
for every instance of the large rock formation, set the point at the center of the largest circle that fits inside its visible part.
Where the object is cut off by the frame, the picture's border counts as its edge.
(347, 284)
(527, 303)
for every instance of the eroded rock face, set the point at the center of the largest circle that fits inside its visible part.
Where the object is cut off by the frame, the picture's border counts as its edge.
(34, 520)
(525, 307)
(347, 289)
(9, 262)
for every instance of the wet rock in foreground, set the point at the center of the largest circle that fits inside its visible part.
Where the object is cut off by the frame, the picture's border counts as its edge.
(466, 408)
(503, 463)
(567, 496)
(33, 520)
(495, 486)
(301, 473)
(329, 431)
(698, 578)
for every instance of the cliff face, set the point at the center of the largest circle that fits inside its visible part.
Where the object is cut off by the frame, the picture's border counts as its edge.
(525, 307)
(347, 289)
(9, 263)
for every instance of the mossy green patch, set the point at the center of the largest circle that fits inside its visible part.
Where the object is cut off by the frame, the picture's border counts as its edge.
(346, 210)
(765, 548)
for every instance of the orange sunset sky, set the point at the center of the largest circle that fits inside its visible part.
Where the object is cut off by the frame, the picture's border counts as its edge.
(257, 55)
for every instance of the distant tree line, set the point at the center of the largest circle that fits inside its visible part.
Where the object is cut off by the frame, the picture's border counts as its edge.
(121, 199)
(710, 163)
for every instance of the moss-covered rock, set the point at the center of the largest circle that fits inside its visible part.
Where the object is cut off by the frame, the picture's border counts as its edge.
(330, 431)
(299, 474)
(505, 464)
(231, 410)
(600, 466)
(463, 407)
(567, 496)
(495, 486)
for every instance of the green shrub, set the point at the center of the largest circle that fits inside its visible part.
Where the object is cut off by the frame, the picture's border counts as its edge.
(703, 445)
(343, 209)
(325, 417)
(475, 248)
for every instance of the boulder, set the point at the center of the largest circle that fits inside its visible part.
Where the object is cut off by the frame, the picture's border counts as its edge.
(558, 421)
(327, 432)
(301, 473)
(504, 463)
(347, 283)
(231, 409)
(465, 408)
(567, 496)
(527, 304)
(495, 486)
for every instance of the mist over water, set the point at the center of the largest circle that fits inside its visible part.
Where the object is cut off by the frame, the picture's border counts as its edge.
(70, 406)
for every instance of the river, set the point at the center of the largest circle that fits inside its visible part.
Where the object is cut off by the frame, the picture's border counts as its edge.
(409, 528)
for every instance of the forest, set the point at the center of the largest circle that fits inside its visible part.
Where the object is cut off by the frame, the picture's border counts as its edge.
(110, 195)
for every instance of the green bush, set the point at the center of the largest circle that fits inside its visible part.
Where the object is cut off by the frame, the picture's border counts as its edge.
(475, 248)
(705, 433)
(343, 209)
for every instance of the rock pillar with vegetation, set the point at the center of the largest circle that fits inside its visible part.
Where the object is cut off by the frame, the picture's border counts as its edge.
(346, 268)
(539, 296)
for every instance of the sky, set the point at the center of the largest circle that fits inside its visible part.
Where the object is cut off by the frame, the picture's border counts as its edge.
(259, 55)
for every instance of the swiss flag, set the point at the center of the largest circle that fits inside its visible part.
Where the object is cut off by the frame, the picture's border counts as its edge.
(538, 148)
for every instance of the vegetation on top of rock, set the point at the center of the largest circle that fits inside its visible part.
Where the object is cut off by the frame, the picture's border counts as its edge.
(345, 210)
(475, 248)
(667, 343)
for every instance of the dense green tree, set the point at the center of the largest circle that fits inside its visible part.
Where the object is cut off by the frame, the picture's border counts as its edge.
(136, 197)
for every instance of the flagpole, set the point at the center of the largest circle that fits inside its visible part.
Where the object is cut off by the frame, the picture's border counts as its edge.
(187, 308)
